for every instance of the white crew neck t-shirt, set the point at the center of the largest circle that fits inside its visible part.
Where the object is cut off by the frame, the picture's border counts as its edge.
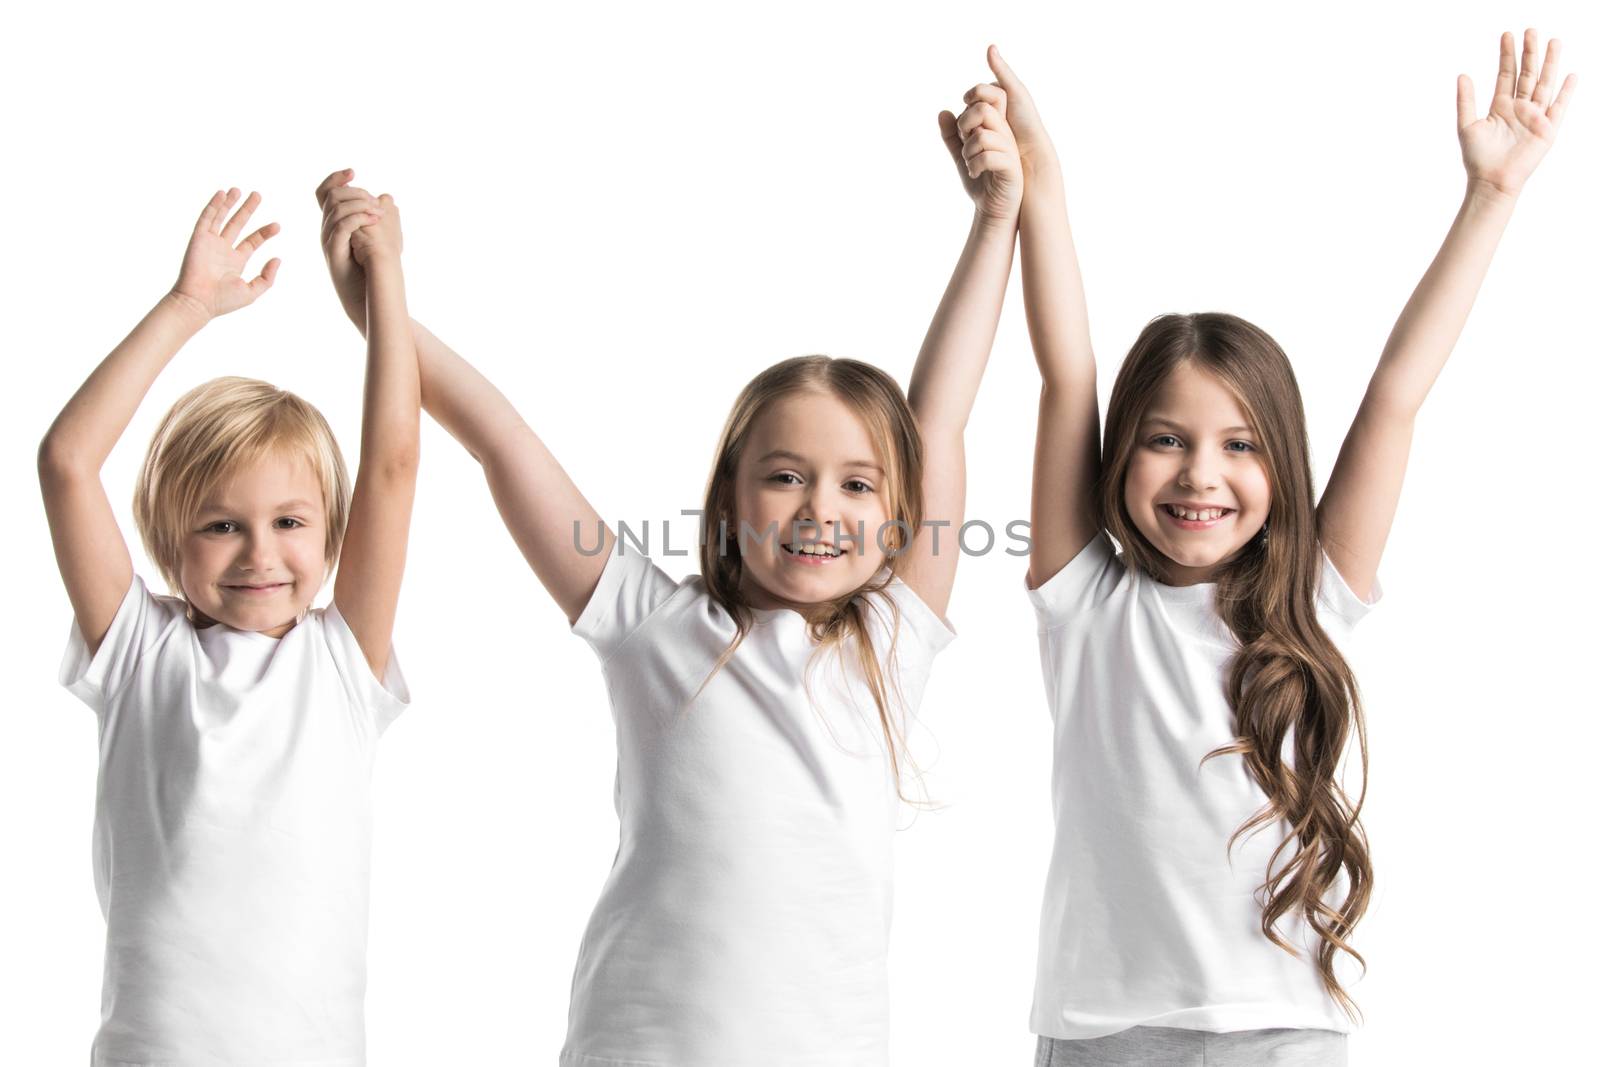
(746, 917)
(232, 836)
(1148, 920)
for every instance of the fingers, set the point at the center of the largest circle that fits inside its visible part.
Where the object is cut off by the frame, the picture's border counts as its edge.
(332, 182)
(979, 116)
(952, 137)
(1507, 77)
(1547, 75)
(1005, 75)
(1530, 65)
(211, 218)
(985, 93)
(249, 245)
(1466, 108)
(343, 233)
(340, 194)
(363, 208)
(983, 141)
(263, 281)
(984, 162)
(986, 152)
(1563, 98)
(230, 232)
(208, 214)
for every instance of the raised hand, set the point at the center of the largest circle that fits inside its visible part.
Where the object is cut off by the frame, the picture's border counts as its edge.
(985, 152)
(212, 276)
(1501, 149)
(380, 236)
(1033, 143)
(345, 209)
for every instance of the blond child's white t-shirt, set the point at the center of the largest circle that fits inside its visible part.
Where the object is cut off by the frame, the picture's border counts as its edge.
(746, 917)
(1148, 918)
(232, 836)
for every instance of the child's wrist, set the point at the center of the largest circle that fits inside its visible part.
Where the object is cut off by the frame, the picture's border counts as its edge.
(188, 308)
(1041, 164)
(1486, 193)
(987, 224)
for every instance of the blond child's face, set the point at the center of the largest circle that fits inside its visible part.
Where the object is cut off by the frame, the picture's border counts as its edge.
(253, 559)
(809, 481)
(1197, 485)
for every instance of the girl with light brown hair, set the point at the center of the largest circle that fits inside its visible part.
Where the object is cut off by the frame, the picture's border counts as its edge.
(760, 706)
(1209, 864)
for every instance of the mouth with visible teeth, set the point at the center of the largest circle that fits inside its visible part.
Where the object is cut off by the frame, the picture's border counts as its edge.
(1189, 518)
(812, 553)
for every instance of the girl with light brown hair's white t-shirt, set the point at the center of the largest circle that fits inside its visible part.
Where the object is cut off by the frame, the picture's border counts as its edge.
(746, 917)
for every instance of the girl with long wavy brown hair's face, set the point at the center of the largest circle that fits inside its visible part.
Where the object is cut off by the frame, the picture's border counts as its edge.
(1197, 485)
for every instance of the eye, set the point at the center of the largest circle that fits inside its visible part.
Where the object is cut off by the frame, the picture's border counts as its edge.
(1165, 440)
(1242, 446)
(856, 485)
(289, 523)
(223, 526)
(785, 478)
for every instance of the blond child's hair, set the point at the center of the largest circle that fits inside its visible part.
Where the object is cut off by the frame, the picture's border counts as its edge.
(211, 433)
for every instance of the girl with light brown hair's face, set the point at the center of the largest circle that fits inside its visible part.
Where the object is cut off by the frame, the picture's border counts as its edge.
(1197, 484)
(808, 482)
(255, 555)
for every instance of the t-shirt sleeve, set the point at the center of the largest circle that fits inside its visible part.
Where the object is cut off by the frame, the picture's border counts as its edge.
(920, 626)
(1078, 586)
(140, 621)
(631, 589)
(383, 701)
(1334, 594)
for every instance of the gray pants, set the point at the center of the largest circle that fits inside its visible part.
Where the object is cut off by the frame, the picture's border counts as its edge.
(1163, 1046)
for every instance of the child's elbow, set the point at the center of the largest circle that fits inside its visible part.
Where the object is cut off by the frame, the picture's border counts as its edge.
(399, 464)
(58, 460)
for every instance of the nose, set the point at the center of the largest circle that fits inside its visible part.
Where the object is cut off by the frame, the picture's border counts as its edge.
(1198, 472)
(818, 512)
(256, 553)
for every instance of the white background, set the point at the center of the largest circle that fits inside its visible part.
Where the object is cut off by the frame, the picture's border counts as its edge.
(621, 215)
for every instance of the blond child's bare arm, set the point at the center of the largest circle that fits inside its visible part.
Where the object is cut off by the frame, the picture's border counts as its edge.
(373, 557)
(90, 551)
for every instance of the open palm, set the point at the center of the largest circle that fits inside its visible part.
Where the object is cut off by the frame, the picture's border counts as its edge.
(1503, 148)
(212, 274)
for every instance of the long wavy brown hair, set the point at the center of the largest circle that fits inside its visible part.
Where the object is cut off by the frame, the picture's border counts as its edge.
(876, 399)
(1288, 683)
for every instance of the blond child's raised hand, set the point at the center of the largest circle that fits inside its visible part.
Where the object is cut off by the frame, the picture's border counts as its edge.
(1501, 149)
(380, 236)
(345, 208)
(985, 152)
(211, 279)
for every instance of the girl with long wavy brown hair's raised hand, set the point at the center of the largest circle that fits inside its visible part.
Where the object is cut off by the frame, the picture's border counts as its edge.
(1209, 865)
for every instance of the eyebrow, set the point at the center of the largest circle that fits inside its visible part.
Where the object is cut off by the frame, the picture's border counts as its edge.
(1178, 425)
(288, 505)
(795, 457)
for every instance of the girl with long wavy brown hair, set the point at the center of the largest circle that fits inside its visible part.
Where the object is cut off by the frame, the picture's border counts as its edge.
(760, 704)
(1210, 864)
